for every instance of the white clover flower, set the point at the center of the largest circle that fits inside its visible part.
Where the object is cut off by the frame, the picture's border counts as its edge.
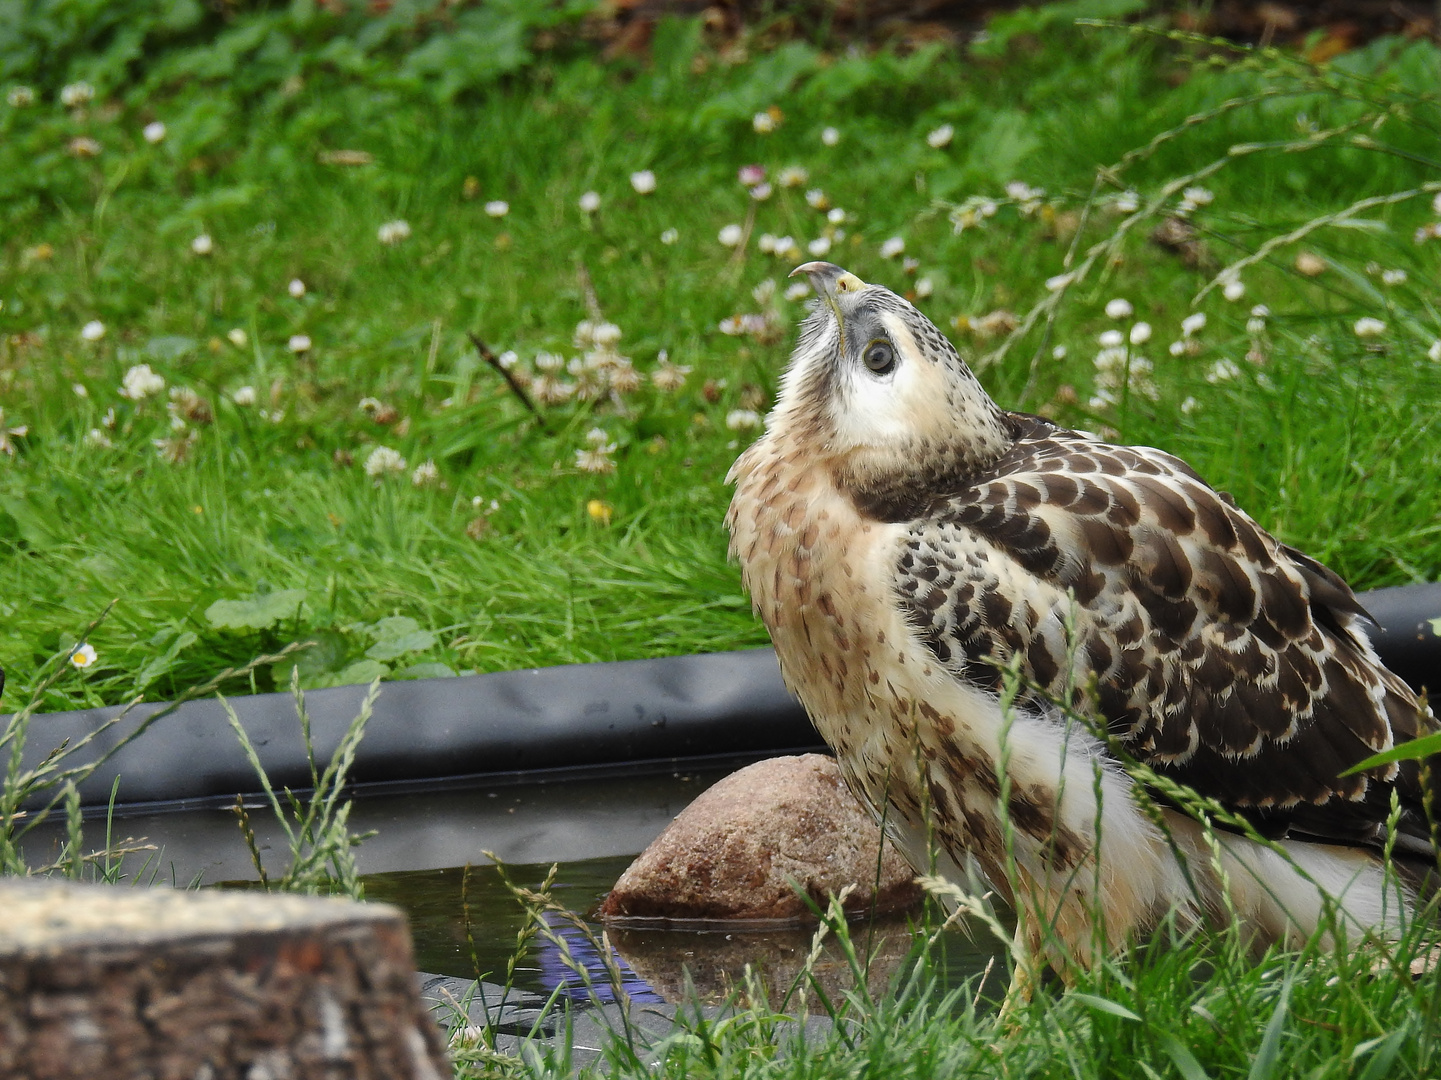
(1140, 333)
(1189, 406)
(761, 192)
(1434, 352)
(590, 202)
(792, 176)
(798, 291)
(1436, 203)
(599, 438)
(76, 94)
(1233, 290)
(97, 438)
(1255, 326)
(820, 246)
(296, 288)
(787, 248)
(924, 288)
(670, 236)
(1119, 309)
(1194, 197)
(643, 182)
(668, 377)
(830, 136)
(1111, 339)
(81, 390)
(140, 382)
(83, 656)
(1191, 323)
(1177, 348)
(836, 216)
(153, 132)
(892, 247)
(508, 359)
(20, 97)
(731, 326)
(1128, 202)
(1059, 282)
(605, 334)
(763, 122)
(549, 362)
(94, 330)
(1368, 327)
(730, 235)
(237, 337)
(1429, 231)
(1393, 277)
(244, 397)
(299, 343)
(743, 419)
(941, 136)
(426, 474)
(497, 208)
(594, 461)
(393, 232)
(82, 146)
(383, 460)
(816, 199)
(202, 244)
(1222, 370)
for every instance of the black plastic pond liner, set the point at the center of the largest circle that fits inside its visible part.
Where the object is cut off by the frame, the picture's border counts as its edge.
(583, 715)
(503, 722)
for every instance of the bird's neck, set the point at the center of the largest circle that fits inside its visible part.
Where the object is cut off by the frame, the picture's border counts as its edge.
(899, 484)
(805, 555)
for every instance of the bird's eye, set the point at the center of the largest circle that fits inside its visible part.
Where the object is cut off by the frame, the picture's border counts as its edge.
(879, 356)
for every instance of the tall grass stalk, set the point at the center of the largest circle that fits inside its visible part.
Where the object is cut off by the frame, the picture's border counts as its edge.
(316, 827)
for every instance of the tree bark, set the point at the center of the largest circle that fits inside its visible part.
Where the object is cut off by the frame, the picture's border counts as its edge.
(114, 982)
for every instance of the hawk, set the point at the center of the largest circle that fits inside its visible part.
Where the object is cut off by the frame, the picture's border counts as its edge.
(904, 539)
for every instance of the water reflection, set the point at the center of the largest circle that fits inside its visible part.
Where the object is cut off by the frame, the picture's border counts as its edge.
(654, 963)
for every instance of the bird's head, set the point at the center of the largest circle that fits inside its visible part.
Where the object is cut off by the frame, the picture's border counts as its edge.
(875, 390)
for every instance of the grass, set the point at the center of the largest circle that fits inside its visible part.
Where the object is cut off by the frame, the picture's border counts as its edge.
(1330, 444)
(241, 531)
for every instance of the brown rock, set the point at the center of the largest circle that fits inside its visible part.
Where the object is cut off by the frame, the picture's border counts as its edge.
(733, 853)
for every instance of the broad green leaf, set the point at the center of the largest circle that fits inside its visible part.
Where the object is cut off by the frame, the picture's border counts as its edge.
(393, 626)
(389, 648)
(157, 666)
(426, 670)
(257, 613)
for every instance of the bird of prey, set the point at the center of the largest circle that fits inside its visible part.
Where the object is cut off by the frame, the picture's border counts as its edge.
(904, 540)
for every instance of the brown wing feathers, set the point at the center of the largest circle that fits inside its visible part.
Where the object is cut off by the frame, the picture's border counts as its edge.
(1221, 656)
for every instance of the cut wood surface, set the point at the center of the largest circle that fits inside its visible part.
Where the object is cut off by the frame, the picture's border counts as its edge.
(116, 982)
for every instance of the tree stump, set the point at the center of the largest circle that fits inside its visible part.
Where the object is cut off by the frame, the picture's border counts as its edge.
(116, 982)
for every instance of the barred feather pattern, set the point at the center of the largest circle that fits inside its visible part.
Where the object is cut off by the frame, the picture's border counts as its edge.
(1216, 654)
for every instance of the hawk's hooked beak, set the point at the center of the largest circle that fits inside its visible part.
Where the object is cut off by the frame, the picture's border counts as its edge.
(830, 281)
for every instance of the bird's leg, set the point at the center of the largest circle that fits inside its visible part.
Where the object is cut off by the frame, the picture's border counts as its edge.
(1024, 979)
